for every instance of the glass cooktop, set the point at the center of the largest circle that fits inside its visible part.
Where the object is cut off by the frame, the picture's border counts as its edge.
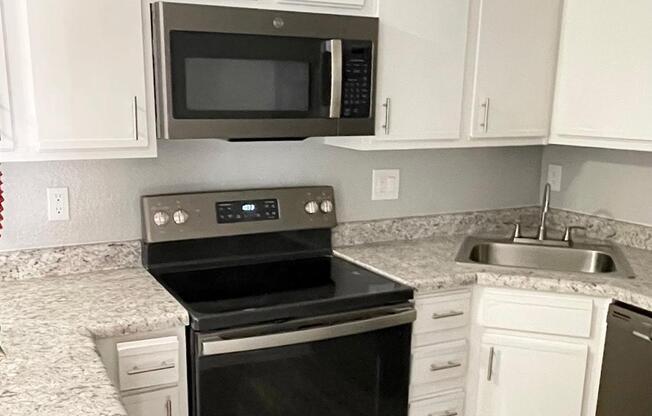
(255, 293)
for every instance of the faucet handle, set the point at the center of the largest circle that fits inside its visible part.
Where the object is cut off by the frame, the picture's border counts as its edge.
(568, 233)
(517, 229)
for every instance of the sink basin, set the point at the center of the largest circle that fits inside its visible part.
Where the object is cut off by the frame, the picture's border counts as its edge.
(602, 259)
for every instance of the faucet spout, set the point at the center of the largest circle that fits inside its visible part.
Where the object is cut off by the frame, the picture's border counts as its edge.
(545, 207)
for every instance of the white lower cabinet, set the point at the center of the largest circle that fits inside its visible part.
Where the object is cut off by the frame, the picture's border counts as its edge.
(534, 353)
(448, 404)
(438, 367)
(149, 371)
(440, 353)
(525, 376)
(156, 403)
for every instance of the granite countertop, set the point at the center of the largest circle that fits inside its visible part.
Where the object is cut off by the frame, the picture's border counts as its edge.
(428, 264)
(48, 327)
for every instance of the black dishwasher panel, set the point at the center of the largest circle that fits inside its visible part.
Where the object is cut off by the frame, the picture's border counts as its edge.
(626, 381)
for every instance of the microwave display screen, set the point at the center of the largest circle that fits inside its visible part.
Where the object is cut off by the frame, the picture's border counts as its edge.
(225, 84)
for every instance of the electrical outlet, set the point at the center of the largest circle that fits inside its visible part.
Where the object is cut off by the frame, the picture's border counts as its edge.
(554, 177)
(58, 208)
(385, 184)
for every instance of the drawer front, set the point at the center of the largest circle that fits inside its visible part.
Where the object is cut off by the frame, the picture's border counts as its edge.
(157, 403)
(148, 363)
(442, 312)
(439, 362)
(445, 405)
(536, 312)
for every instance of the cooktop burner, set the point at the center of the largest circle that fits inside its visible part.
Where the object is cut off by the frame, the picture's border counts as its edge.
(253, 293)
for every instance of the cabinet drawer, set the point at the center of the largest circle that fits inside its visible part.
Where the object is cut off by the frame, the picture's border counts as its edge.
(439, 362)
(442, 312)
(156, 403)
(536, 312)
(451, 404)
(148, 363)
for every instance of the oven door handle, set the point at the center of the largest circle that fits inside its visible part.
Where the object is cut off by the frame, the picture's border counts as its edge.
(213, 345)
(334, 46)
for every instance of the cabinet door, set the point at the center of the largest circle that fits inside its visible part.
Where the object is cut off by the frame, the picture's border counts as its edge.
(156, 403)
(88, 71)
(6, 116)
(522, 376)
(604, 88)
(421, 62)
(516, 58)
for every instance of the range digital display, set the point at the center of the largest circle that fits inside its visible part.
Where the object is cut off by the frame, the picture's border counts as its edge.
(245, 211)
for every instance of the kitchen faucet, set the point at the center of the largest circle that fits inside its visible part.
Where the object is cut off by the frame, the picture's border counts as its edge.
(545, 207)
(542, 234)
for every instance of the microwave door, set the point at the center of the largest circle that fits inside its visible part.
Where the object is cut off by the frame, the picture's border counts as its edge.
(240, 86)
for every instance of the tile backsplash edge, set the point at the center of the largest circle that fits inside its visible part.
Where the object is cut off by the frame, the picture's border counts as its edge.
(60, 261)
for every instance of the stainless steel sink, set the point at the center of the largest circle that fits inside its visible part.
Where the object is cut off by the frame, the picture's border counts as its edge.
(604, 259)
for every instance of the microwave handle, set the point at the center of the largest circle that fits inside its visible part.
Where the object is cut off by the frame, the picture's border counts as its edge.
(334, 46)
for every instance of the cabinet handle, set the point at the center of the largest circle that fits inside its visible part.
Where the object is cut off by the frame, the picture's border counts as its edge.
(447, 314)
(485, 119)
(448, 365)
(388, 106)
(490, 366)
(163, 366)
(444, 413)
(168, 407)
(136, 117)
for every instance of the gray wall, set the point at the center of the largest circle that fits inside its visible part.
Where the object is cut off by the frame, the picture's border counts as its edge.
(104, 195)
(609, 183)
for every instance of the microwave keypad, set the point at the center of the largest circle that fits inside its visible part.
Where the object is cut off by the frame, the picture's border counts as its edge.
(356, 91)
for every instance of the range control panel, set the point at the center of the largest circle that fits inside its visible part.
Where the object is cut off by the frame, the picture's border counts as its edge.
(187, 216)
(247, 210)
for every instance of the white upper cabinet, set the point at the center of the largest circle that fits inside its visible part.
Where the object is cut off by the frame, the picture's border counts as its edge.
(6, 114)
(88, 68)
(348, 7)
(82, 74)
(604, 87)
(523, 376)
(516, 55)
(421, 58)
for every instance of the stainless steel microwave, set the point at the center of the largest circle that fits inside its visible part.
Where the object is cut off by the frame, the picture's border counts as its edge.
(247, 74)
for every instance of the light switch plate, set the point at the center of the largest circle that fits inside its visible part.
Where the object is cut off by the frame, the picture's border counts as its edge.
(58, 208)
(554, 177)
(385, 184)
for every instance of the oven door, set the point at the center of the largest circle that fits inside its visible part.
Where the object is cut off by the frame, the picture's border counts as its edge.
(335, 366)
(234, 73)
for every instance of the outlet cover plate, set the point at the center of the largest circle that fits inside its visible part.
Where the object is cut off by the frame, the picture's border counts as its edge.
(385, 184)
(58, 207)
(554, 177)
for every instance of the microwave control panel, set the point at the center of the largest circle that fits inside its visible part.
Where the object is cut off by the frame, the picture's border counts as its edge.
(356, 88)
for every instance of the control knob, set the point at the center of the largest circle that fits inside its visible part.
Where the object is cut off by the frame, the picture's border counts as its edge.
(180, 216)
(326, 206)
(161, 218)
(311, 207)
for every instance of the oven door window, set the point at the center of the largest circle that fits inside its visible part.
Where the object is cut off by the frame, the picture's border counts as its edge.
(358, 375)
(232, 76)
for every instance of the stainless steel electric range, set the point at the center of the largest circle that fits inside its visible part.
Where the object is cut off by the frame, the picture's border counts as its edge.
(279, 326)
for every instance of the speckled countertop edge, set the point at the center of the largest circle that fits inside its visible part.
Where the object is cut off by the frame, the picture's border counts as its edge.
(49, 326)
